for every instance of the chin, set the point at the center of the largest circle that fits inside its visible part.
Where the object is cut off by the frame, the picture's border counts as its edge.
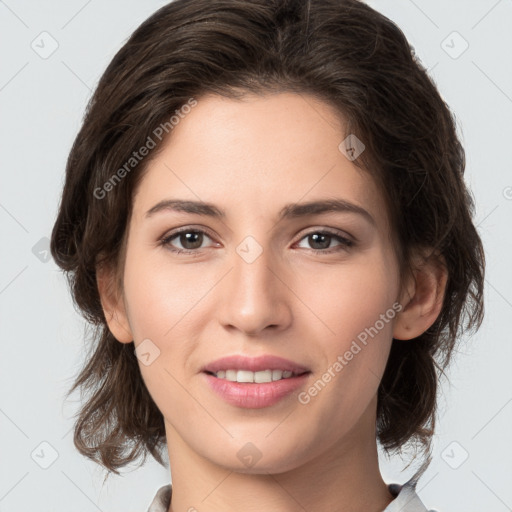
(259, 457)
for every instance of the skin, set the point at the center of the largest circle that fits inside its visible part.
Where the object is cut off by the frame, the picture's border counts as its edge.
(250, 158)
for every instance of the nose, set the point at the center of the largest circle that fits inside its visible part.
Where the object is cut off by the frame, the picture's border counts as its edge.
(255, 296)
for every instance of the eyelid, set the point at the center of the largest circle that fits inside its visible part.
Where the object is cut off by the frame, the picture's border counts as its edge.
(191, 227)
(328, 231)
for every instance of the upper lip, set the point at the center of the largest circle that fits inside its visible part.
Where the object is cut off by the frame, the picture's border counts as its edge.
(254, 364)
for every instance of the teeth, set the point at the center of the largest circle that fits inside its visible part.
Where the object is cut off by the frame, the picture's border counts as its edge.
(258, 377)
(231, 375)
(263, 376)
(277, 374)
(244, 376)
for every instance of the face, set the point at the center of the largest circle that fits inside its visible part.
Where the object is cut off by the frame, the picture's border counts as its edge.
(260, 277)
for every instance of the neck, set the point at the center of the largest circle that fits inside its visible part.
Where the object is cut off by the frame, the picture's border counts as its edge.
(343, 478)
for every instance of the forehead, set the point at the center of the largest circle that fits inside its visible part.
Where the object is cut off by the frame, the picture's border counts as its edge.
(256, 154)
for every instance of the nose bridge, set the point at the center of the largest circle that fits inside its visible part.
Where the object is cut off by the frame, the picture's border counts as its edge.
(255, 297)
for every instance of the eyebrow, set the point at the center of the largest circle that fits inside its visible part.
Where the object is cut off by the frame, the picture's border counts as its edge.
(289, 211)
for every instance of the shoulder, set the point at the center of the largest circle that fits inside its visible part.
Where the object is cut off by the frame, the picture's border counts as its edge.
(162, 499)
(406, 498)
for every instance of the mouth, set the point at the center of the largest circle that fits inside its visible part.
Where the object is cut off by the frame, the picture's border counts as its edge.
(254, 383)
(259, 377)
(265, 368)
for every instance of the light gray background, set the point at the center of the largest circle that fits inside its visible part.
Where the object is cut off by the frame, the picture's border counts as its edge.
(42, 103)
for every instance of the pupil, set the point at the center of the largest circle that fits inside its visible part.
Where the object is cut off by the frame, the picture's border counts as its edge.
(326, 240)
(188, 238)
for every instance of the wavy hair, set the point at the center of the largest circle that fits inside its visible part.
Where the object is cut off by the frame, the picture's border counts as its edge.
(342, 52)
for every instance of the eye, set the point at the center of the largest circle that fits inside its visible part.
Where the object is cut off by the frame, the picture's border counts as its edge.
(189, 239)
(321, 240)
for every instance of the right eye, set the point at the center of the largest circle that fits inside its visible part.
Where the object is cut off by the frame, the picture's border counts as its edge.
(189, 239)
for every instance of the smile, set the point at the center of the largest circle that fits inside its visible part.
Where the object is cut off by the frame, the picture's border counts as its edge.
(255, 377)
(254, 382)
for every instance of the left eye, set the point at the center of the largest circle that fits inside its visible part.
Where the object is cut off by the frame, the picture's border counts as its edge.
(191, 240)
(323, 239)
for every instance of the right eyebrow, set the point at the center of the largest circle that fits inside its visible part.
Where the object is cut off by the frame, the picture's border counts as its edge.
(197, 207)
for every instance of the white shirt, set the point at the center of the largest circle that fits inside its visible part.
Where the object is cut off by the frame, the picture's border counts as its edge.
(406, 499)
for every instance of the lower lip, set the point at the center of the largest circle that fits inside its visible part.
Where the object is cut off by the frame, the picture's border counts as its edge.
(255, 396)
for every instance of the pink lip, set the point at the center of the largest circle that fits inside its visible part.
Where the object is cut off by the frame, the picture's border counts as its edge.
(254, 364)
(254, 396)
(251, 395)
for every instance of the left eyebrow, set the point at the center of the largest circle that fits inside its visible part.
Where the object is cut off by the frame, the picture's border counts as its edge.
(296, 210)
(289, 211)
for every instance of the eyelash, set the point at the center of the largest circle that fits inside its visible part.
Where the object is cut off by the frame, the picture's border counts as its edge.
(345, 243)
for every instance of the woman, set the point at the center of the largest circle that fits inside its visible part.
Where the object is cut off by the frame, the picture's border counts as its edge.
(265, 216)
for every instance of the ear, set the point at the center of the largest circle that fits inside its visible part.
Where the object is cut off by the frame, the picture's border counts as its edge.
(422, 295)
(113, 305)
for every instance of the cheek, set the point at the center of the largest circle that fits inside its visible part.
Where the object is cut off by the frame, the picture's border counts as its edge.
(163, 307)
(166, 305)
(356, 303)
(160, 301)
(349, 299)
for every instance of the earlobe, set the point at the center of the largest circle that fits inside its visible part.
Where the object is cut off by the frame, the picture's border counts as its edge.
(422, 296)
(113, 306)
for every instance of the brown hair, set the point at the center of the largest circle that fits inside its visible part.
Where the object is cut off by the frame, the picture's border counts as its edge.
(346, 54)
